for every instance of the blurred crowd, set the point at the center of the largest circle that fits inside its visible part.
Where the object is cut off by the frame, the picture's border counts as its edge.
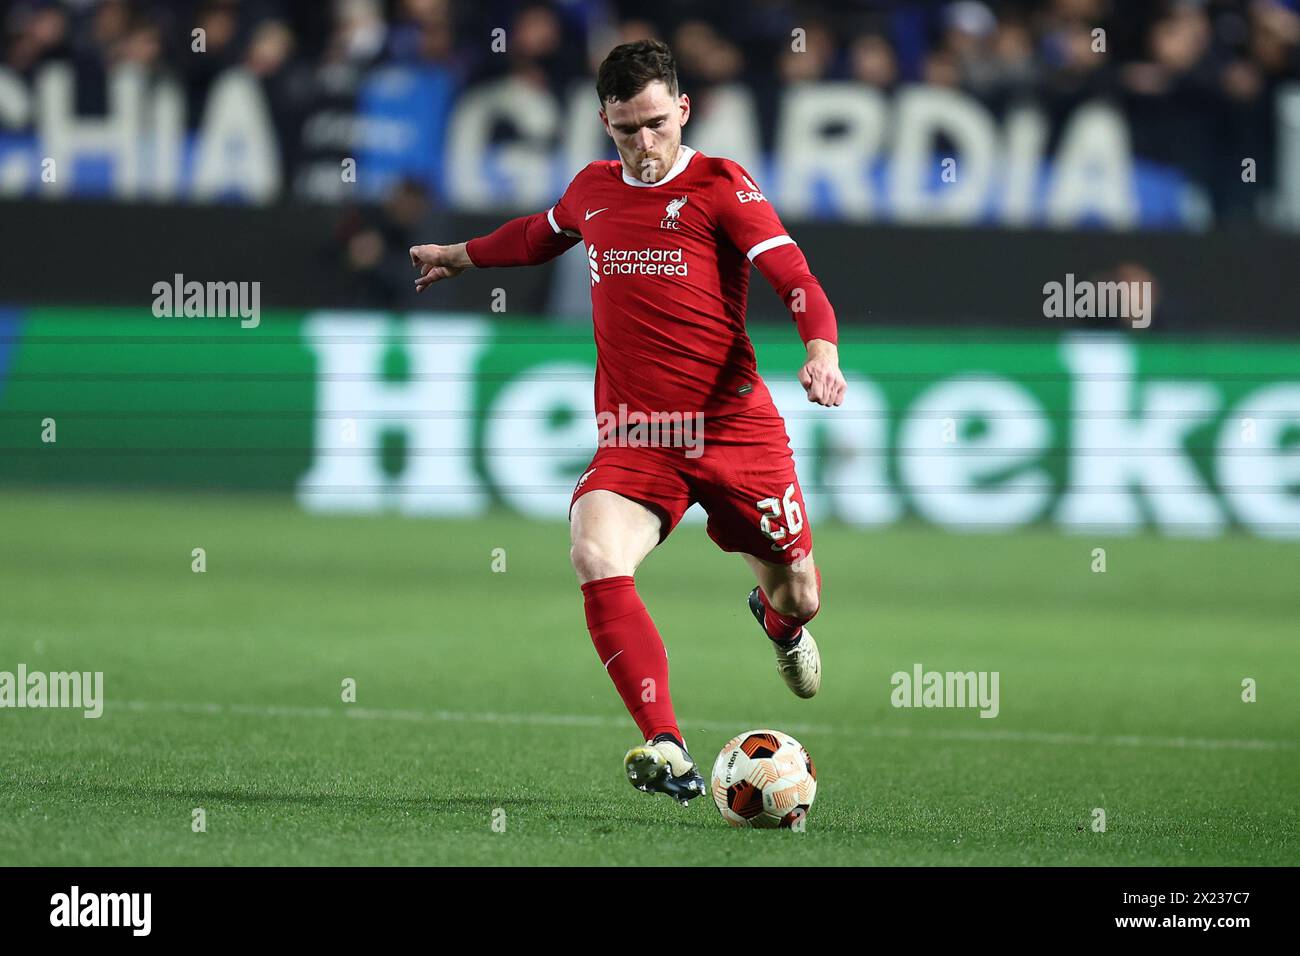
(1195, 77)
(1232, 49)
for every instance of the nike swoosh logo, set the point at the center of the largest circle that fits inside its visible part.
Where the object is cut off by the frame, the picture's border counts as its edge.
(611, 660)
(597, 212)
(786, 546)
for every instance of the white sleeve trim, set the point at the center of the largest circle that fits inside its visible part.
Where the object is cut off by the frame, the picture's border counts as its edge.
(767, 244)
(550, 217)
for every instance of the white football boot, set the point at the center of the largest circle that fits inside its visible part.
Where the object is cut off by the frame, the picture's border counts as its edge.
(800, 663)
(663, 766)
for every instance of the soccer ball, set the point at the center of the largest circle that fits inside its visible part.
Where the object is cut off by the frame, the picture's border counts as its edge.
(764, 779)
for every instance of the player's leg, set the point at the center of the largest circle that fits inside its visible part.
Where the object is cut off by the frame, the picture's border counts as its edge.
(611, 535)
(788, 596)
(746, 482)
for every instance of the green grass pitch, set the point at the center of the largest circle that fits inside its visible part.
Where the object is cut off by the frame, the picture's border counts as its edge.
(479, 690)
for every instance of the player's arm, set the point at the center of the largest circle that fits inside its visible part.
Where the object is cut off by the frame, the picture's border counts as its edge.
(749, 221)
(786, 270)
(526, 241)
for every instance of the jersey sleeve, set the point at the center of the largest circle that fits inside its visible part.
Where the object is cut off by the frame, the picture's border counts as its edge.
(744, 215)
(526, 241)
(748, 220)
(565, 216)
(529, 240)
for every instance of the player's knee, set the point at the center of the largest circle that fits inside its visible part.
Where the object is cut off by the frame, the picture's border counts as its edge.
(806, 604)
(798, 599)
(592, 561)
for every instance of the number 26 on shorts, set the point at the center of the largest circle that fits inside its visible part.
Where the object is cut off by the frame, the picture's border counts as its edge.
(774, 510)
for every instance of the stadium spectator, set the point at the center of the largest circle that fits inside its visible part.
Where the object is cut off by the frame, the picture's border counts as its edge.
(1197, 79)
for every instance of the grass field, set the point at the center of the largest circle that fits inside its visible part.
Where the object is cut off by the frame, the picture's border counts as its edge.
(479, 690)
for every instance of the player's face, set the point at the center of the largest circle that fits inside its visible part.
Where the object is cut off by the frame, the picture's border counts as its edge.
(647, 129)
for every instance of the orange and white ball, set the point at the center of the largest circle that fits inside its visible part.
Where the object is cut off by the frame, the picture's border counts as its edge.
(764, 779)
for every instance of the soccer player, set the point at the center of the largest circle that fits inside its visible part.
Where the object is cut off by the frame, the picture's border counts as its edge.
(670, 234)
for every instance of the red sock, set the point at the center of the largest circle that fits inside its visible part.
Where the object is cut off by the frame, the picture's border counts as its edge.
(779, 627)
(632, 651)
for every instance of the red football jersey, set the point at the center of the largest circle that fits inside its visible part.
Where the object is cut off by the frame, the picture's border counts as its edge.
(669, 269)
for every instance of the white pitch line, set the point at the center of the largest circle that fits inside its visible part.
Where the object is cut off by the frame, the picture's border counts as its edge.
(595, 720)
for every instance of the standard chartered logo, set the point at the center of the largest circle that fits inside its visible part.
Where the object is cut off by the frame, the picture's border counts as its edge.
(636, 262)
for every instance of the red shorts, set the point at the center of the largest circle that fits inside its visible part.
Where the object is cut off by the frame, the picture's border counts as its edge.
(743, 477)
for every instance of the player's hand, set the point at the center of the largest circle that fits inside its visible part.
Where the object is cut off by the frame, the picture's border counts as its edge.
(438, 262)
(820, 375)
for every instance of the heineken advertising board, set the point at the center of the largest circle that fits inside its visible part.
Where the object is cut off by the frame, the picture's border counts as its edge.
(451, 415)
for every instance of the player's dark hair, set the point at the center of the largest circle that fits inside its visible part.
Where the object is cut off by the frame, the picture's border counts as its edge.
(631, 67)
